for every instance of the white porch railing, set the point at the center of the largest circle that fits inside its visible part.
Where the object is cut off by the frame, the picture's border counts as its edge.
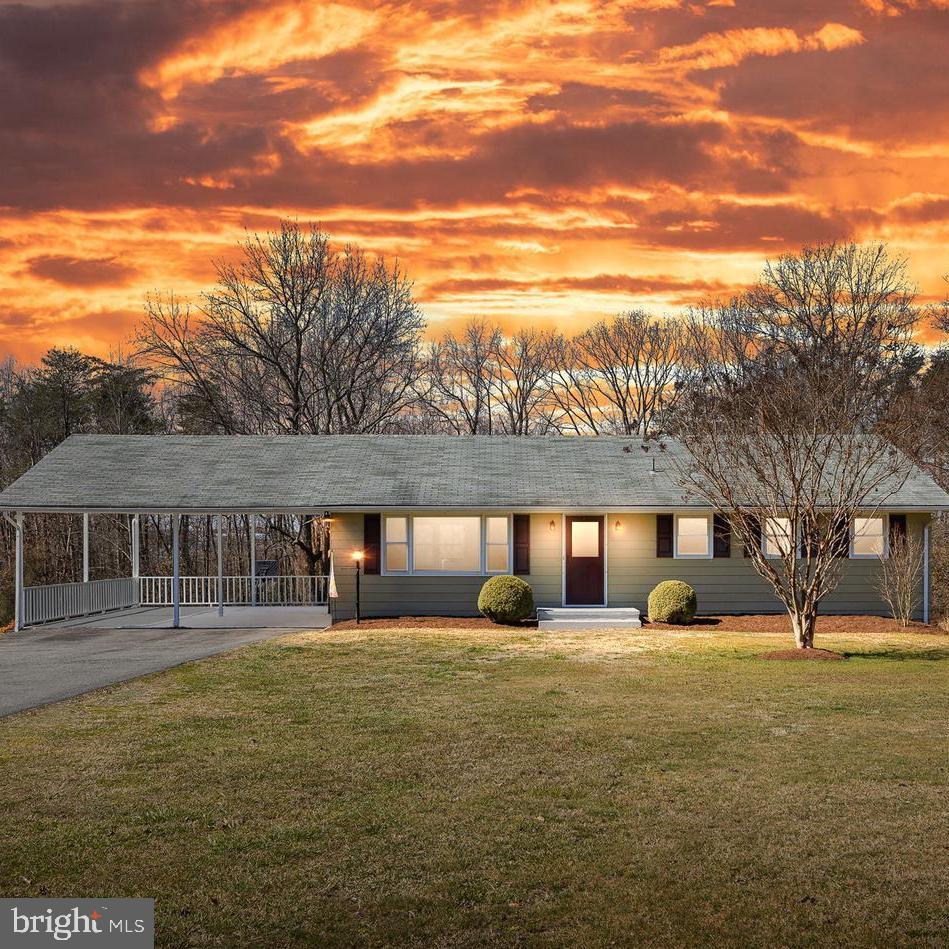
(65, 600)
(202, 591)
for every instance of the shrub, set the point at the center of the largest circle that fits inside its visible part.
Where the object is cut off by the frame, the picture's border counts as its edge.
(506, 599)
(672, 601)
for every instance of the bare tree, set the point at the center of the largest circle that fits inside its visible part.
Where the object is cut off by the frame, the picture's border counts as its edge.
(901, 576)
(522, 381)
(782, 394)
(483, 383)
(617, 376)
(296, 338)
(458, 386)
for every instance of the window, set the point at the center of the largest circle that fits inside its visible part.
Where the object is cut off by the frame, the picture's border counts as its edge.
(496, 546)
(776, 536)
(585, 539)
(446, 544)
(869, 537)
(692, 536)
(397, 544)
(432, 544)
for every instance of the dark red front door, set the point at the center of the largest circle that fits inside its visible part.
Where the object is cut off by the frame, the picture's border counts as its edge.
(584, 561)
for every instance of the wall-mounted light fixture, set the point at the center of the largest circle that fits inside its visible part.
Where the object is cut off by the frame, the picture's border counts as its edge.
(618, 526)
(552, 526)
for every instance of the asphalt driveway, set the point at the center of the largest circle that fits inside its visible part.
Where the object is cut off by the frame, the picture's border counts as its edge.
(43, 665)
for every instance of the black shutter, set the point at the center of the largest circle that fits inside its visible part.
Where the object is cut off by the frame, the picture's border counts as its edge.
(522, 544)
(840, 537)
(664, 526)
(721, 536)
(371, 538)
(809, 541)
(755, 525)
(897, 530)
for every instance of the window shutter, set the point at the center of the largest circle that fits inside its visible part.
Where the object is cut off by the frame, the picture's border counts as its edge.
(809, 541)
(756, 533)
(371, 538)
(840, 541)
(664, 528)
(897, 529)
(522, 544)
(721, 536)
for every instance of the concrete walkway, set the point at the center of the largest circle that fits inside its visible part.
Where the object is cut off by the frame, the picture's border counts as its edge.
(43, 665)
(205, 617)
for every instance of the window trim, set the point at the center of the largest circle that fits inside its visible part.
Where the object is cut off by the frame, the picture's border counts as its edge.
(795, 540)
(384, 566)
(885, 518)
(709, 539)
(483, 545)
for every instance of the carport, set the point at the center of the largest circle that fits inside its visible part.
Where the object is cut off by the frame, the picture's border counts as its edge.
(168, 476)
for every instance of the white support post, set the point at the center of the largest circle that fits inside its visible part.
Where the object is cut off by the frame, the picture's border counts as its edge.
(85, 548)
(220, 565)
(175, 572)
(926, 574)
(18, 574)
(252, 522)
(135, 528)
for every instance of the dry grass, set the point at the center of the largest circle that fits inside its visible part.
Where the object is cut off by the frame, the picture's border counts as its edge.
(471, 787)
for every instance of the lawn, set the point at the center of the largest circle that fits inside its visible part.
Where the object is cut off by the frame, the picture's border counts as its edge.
(467, 787)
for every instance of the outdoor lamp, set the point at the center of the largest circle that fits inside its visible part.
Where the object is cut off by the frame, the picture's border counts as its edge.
(357, 556)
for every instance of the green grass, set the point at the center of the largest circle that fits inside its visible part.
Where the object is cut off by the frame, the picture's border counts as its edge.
(475, 787)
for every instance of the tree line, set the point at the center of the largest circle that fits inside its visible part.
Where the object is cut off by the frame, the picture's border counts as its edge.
(299, 336)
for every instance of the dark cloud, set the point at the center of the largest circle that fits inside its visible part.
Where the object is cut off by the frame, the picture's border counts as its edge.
(76, 125)
(894, 87)
(300, 91)
(80, 271)
(924, 211)
(581, 98)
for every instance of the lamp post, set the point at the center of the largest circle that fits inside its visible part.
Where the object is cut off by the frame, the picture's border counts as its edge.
(357, 556)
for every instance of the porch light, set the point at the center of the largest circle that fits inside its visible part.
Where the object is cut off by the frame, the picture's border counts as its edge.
(552, 526)
(357, 556)
(617, 526)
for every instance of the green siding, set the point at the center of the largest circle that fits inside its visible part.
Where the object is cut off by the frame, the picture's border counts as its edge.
(727, 585)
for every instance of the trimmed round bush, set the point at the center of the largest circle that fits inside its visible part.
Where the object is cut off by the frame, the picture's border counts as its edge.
(672, 601)
(506, 599)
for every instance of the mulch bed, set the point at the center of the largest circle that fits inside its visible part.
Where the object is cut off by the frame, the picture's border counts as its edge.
(801, 654)
(780, 623)
(429, 622)
(760, 623)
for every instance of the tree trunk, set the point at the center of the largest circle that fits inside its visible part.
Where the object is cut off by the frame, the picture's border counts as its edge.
(803, 624)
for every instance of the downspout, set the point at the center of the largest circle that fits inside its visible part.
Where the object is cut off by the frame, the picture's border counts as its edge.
(926, 574)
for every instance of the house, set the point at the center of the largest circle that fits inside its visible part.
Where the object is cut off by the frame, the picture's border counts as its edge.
(586, 521)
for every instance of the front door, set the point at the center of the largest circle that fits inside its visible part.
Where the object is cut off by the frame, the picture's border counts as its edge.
(584, 580)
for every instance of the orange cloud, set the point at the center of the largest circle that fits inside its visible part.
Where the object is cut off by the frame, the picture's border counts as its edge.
(533, 162)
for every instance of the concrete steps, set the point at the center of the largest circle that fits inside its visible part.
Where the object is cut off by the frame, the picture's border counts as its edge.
(587, 617)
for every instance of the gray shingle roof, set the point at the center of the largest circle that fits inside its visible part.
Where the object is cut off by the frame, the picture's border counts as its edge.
(309, 473)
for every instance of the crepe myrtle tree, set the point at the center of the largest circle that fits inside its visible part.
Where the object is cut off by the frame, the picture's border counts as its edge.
(781, 393)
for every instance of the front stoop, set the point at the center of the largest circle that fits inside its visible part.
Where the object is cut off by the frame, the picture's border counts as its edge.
(587, 617)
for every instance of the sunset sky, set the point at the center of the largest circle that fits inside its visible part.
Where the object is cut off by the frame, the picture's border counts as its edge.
(530, 162)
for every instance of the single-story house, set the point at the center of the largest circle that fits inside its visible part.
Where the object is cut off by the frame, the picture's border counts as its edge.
(586, 521)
